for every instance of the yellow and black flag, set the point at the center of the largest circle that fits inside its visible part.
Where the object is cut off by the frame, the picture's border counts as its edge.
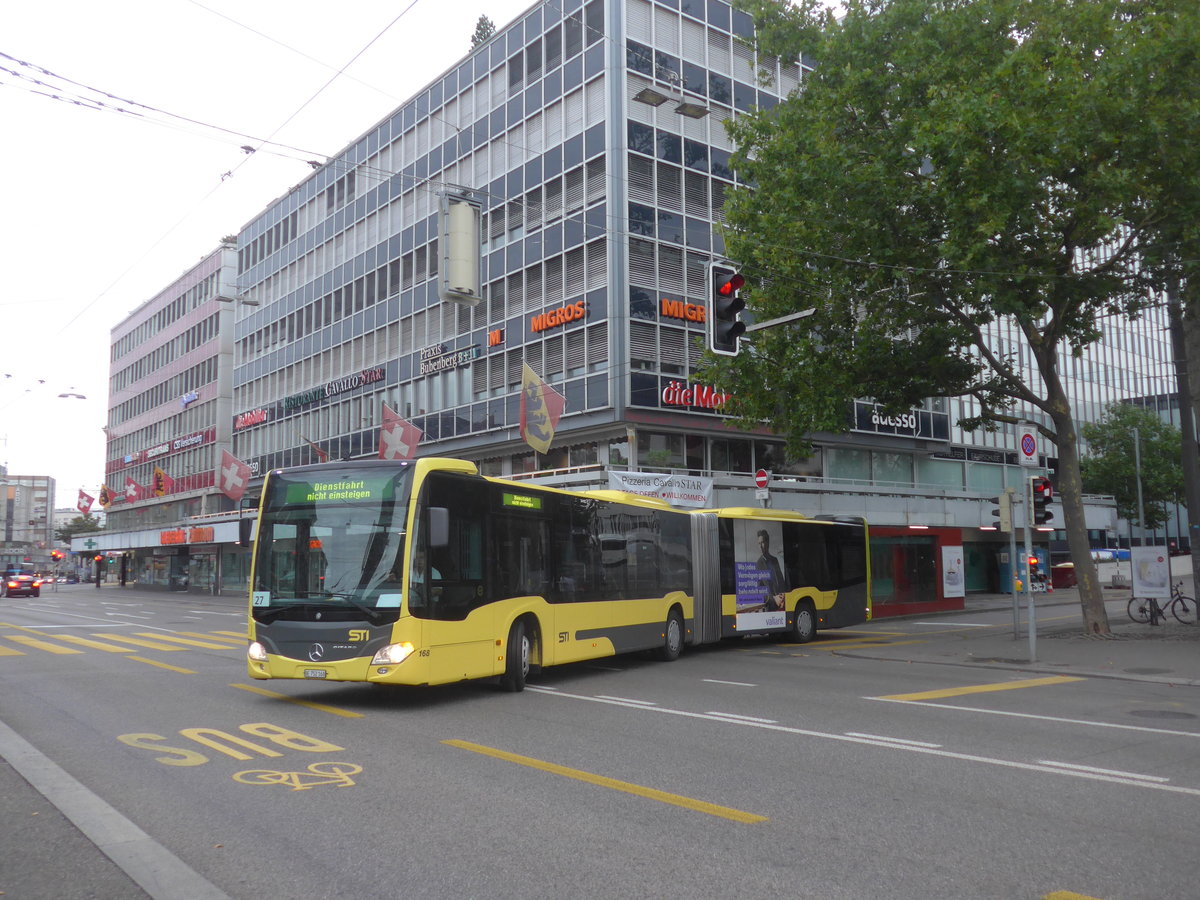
(162, 483)
(541, 407)
(105, 497)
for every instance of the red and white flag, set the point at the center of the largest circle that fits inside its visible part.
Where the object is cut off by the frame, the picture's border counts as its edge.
(233, 477)
(322, 456)
(398, 438)
(541, 407)
(133, 490)
(85, 502)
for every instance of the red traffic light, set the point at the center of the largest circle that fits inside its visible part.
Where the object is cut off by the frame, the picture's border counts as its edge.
(731, 285)
(1033, 561)
(99, 557)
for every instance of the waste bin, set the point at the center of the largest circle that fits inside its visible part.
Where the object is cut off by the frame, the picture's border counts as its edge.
(1063, 575)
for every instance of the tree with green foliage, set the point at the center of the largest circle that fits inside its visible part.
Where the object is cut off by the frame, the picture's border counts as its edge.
(484, 29)
(1111, 464)
(85, 524)
(959, 187)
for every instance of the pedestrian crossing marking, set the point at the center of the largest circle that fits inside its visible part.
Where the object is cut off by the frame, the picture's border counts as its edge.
(983, 688)
(95, 645)
(161, 665)
(139, 642)
(41, 645)
(53, 643)
(240, 635)
(158, 636)
(240, 640)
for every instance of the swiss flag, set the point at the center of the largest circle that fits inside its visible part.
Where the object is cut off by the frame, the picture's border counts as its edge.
(133, 490)
(85, 503)
(398, 438)
(233, 477)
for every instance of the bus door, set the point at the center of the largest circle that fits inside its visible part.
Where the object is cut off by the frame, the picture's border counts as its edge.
(447, 582)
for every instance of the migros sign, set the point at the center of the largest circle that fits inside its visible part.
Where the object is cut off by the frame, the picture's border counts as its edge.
(555, 317)
(680, 309)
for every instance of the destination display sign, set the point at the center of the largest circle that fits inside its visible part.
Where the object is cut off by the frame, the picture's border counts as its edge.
(347, 490)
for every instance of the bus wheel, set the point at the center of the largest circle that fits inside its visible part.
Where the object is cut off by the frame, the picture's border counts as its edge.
(804, 625)
(672, 637)
(516, 665)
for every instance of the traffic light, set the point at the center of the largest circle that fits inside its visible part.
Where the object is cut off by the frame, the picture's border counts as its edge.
(724, 324)
(1003, 512)
(99, 557)
(1040, 487)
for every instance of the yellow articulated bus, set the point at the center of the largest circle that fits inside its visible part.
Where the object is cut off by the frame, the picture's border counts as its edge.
(425, 572)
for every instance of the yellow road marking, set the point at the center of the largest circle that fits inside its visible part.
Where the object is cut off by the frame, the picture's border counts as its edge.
(862, 645)
(95, 645)
(711, 809)
(1067, 895)
(215, 636)
(240, 635)
(320, 707)
(983, 688)
(41, 645)
(161, 665)
(825, 635)
(178, 640)
(152, 645)
(9, 651)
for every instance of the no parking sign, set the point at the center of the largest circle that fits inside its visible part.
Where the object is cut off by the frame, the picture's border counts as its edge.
(1027, 452)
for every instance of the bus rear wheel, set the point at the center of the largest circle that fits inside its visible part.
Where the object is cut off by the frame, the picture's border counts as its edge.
(672, 637)
(516, 659)
(804, 624)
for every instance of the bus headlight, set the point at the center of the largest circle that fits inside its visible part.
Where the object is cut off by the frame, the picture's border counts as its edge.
(257, 652)
(392, 654)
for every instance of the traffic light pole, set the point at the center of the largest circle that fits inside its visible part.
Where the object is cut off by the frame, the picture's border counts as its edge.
(1012, 555)
(1031, 615)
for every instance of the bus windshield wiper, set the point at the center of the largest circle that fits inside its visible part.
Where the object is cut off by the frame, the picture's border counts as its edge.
(369, 611)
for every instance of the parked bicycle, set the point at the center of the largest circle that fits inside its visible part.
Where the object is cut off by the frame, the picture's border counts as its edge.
(1148, 609)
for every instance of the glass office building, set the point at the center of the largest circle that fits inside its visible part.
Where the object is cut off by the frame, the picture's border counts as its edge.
(592, 136)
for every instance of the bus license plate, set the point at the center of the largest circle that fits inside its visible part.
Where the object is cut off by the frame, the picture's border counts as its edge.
(314, 673)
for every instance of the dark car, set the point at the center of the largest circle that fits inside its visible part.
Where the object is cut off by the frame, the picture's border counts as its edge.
(16, 585)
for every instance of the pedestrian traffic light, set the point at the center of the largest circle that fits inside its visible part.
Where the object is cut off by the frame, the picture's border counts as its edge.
(1003, 512)
(724, 324)
(99, 557)
(1041, 490)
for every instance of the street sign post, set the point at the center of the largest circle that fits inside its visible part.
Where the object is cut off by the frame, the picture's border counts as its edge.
(762, 478)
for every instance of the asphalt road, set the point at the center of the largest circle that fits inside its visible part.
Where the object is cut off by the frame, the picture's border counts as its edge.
(749, 769)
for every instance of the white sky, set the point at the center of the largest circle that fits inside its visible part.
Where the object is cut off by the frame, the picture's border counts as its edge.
(101, 210)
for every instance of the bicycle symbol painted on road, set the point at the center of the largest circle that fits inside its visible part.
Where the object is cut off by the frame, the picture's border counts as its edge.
(335, 773)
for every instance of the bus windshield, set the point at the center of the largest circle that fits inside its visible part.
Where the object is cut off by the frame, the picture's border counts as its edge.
(332, 538)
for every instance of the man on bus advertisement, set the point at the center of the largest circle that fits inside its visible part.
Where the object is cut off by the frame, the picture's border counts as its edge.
(761, 587)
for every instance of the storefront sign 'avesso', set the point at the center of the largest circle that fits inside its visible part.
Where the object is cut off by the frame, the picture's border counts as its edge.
(678, 490)
(333, 388)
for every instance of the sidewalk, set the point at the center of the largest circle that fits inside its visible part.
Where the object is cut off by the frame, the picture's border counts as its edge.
(1167, 653)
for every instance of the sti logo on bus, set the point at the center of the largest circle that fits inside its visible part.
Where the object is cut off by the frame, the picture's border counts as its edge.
(359, 634)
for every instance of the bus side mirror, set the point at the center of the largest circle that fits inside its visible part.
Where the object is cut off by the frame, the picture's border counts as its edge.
(439, 527)
(245, 526)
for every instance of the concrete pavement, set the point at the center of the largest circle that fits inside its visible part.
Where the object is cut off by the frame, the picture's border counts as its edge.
(1168, 652)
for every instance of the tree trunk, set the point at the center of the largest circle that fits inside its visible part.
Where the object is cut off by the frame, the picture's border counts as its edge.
(1184, 376)
(1070, 492)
